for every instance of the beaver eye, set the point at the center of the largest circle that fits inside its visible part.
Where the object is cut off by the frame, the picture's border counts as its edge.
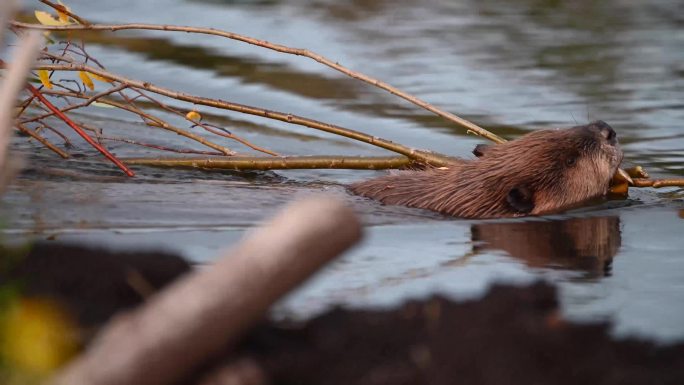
(570, 161)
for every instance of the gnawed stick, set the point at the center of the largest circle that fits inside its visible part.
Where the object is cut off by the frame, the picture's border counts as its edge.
(279, 163)
(208, 310)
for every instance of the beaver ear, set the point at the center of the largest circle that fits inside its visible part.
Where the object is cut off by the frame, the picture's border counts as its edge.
(521, 199)
(480, 150)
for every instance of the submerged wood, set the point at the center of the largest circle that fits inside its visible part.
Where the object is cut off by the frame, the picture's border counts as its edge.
(208, 310)
(280, 163)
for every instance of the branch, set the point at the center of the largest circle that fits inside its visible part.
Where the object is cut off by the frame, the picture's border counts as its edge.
(658, 183)
(418, 155)
(88, 102)
(42, 140)
(279, 48)
(78, 130)
(206, 127)
(150, 119)
(64, 10)
(157, 147)
(280, 163)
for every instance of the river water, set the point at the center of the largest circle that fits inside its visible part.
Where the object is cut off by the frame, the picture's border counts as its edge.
(510, 66)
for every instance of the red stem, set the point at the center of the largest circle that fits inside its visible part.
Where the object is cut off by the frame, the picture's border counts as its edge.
(78, 129)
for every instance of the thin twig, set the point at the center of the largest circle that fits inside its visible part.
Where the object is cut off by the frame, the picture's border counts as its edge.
(159, 147)
(42, 140)
(80, 131)
(205, 126)
(279, 48)
(418, 155)
(65, 11)
(150, 120)
(88, 102)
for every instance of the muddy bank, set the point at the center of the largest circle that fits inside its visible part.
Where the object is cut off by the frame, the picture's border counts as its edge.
(511, 335)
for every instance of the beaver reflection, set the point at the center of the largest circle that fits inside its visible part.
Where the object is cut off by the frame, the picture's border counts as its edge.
(585, 244)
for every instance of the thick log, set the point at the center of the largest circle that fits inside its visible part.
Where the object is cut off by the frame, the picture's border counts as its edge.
(210, 309)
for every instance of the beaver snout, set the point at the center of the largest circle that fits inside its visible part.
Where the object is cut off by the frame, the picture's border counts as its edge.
(605, 130)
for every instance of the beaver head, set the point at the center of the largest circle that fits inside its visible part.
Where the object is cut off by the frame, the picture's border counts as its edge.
(542, 172)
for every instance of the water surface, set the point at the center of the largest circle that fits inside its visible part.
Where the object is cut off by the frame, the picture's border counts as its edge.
(511, 66)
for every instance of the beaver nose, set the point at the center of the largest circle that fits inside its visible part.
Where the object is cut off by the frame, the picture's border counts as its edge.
(606, 131)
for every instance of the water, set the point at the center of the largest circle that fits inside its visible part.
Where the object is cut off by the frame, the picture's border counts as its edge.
(511, 66)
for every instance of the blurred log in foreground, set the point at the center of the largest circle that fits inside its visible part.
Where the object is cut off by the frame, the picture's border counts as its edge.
(11, 82)
(204, 312)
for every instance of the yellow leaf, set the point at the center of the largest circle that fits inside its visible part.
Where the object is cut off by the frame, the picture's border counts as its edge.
(45, 78)
(63, 17)
(86, 80)
(100, 78)
(47, 19)
(103, 105)
(194, 116)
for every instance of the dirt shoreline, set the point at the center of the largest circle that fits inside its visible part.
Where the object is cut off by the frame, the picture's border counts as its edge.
(511, 335)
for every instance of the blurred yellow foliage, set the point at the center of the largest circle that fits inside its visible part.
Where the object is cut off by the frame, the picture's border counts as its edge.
(36, 337)
(47, 19)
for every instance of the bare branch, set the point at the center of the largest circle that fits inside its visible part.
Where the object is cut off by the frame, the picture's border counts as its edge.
(42, 140)
(150, 120)
(280, 163)
(472, 127)
(418, 155)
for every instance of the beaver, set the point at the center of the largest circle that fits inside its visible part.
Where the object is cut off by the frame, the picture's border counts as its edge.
(543, 172)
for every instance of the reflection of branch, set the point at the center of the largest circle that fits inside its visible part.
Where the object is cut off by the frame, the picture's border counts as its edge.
(279, 48)
(279, 163)
(421, 156)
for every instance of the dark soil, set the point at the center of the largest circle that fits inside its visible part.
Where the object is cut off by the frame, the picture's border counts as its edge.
(513, 335)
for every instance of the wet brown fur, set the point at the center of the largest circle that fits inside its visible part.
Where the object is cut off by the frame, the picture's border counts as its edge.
(542, 172)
